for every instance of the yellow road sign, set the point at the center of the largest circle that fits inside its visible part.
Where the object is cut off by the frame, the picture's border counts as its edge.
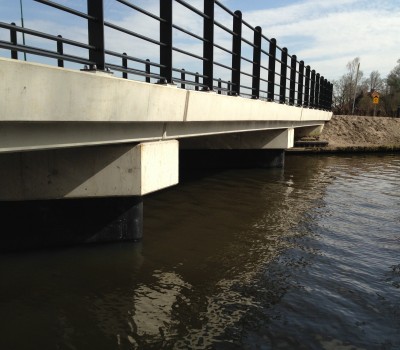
(375, 100)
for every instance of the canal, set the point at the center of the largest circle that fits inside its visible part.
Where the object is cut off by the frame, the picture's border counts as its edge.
(305, 257)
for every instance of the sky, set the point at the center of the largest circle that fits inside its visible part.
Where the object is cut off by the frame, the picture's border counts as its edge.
(326, 34)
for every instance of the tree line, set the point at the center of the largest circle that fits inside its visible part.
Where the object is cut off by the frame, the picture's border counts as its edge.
(352, 93)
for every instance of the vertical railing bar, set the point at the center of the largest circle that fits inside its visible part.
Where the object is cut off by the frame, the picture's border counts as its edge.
(293, 65)
(237, 52)
(328, 96)
(124, 65)
(13, 39)
(60, 51)
(271, 70)
(321, 92)
(148, 70)
(325, 105)
(208, 44)
(300, 84)
(219, 86)
(282, 90)
(326, 83)
(183, 79)
(166, 39)
(317, 85)
(256, 63)
(312, 90)
(307, 87)
(196, 80)
(96, 33)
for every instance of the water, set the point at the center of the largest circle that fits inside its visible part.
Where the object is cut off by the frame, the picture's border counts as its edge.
(302, 258)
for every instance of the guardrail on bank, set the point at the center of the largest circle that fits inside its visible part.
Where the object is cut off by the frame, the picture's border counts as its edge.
(275, 74)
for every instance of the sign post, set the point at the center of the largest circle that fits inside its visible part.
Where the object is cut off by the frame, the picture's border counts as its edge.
(375, 100)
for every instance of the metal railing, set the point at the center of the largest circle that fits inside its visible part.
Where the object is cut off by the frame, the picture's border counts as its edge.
(275, 74)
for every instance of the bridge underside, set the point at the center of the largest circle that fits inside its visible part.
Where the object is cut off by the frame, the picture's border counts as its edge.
(85, 146)
(32, 136)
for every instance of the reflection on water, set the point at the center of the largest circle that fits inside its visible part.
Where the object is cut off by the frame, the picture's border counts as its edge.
(306, 257)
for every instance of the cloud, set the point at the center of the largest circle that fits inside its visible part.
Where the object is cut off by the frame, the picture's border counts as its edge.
(328, 34)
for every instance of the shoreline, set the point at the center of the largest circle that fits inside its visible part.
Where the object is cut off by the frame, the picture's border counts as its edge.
(356, 134)
(350, 149)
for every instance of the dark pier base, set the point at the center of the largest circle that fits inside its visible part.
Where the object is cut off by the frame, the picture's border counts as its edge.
(235, 158)
(44, 224)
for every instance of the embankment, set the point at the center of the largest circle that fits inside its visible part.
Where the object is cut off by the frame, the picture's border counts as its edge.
(359, 134)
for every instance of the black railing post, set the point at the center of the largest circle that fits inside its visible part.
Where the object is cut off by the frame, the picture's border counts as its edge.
(256, 63)
(96, 33)
(229, 87)
(237, 52)
(125, 66)
(326, 93)
(307, 87)
(196, 80)
(321, 92)
(208, 44)
(300, 85)
(271, 70)
(329, 97)
(60, 51)
(282, 89)
(166, 40)
(13, 39)
(219, 86)
(317, 86)
(148, 72)
(183, 79)
(293, 65)
(312, 92)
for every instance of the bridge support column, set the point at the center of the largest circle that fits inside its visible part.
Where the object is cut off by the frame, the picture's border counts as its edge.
(81, 195)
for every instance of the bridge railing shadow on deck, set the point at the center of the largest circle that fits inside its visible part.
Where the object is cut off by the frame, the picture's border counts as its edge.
(272, 73)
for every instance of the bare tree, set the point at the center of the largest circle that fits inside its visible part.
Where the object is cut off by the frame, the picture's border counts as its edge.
(391, 99)
(347, 87)
(393, 79)
(375, 81)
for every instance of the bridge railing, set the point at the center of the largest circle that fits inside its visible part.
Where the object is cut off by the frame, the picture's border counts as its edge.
(272, 73)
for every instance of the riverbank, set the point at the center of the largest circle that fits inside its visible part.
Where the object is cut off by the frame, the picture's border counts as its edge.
(358, 134)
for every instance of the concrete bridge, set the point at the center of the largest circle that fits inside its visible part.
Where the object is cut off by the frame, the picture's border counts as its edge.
(80, 148)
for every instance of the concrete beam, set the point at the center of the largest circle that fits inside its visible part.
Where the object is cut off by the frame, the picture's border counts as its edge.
(308, 131)
(35, 92)
(117, 170)
(31, 92)
(211, 106)
(269, 139)
(25, 136)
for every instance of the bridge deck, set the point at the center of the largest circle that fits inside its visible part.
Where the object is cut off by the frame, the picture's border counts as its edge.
(46, 107)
